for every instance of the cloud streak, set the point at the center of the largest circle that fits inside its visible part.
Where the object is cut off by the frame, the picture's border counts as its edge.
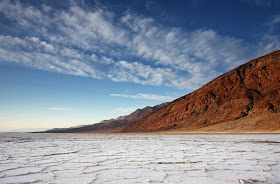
(59, 109)
(127, 109)
(146, 97)
(274, 20)
(128, 48)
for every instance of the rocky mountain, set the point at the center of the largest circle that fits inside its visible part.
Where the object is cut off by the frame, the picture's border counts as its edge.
(246, 99)
(112, 125)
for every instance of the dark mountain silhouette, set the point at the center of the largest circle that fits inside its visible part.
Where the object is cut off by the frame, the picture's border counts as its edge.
(112, 125)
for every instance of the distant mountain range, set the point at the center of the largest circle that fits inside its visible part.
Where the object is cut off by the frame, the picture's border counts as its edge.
(246, 99)
(112, 125)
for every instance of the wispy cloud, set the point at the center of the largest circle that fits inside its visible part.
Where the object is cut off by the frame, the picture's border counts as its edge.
(274, 20)
(59, 109)
(147, 96)
(270, 38)
(127, 109)
(128, 48)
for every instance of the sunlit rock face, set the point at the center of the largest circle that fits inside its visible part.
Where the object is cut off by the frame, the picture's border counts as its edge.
(242, 100)
(120, 158)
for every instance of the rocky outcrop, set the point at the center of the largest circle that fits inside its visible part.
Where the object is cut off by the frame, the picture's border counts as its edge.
(112, 125)
(248, 97)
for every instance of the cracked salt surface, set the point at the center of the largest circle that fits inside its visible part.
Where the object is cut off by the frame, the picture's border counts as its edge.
(119, 158)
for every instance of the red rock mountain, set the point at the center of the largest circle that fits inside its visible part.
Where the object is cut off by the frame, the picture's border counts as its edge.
(112, 125)
(246, 99)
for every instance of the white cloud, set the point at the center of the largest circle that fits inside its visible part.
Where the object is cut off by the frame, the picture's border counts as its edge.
(270, 40)
(99, 44)
(107, 60)
(127, 110)
(124, 71)
(34, 39)
(59, 109)
(47, 47)
(68, 52)
(274, 20)
(94, 57)
(147, 97)
(28, 51)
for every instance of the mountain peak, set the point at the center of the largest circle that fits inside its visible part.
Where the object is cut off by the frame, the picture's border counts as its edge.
(247, 96)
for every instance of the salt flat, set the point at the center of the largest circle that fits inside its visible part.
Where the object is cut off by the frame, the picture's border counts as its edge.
(122, 158)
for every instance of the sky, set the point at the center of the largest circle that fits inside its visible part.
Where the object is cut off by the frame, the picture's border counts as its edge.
(69, 63)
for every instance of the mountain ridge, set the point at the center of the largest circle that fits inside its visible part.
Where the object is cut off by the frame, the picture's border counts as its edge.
(247, 96)
(111, 125)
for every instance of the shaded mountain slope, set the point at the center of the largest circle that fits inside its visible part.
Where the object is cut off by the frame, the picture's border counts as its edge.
(244, 99)
(112, 125)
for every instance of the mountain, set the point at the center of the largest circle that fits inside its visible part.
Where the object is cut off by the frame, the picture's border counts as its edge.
(246, 99)
(112, 125)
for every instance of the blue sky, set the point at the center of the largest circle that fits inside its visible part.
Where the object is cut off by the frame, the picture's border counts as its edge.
(67, 63)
